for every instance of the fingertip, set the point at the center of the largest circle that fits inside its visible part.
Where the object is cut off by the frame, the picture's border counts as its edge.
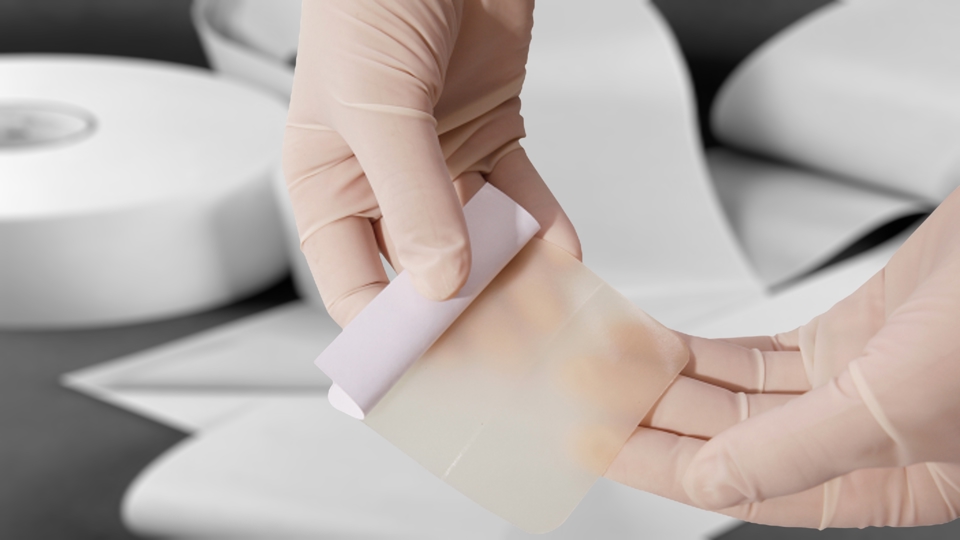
(442, 277)
(345, 264)
(713, 481)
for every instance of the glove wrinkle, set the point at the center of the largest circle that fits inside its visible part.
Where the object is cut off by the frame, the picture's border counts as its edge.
(873, 405)
(390, 109)
(786, 341)
(757, 355)
(951, 504)
(347, 315)
(295, 182)
(743, 406)
(831, 498)
(807, 339)
(312, 127)
(480, 107)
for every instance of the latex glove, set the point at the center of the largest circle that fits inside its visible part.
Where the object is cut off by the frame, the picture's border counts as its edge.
(391, 100)
(852, 420)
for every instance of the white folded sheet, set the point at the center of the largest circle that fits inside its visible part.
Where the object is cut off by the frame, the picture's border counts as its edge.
(798, 304)
(294, 467)
(791, 221)
(860, 90)
(192, 383)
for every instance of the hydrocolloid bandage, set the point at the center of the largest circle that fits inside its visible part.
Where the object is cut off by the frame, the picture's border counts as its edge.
(527, 397)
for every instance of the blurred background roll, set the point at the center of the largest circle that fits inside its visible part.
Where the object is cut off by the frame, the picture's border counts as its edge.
(132, 190)
(251, 40)
(256, 42)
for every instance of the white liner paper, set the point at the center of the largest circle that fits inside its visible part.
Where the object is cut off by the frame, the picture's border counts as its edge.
(399, 325)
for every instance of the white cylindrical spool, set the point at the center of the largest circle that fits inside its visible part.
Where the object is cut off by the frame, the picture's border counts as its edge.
(132, 190)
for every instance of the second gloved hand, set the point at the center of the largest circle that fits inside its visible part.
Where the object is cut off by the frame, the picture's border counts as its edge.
(853, 420)
(400, 111)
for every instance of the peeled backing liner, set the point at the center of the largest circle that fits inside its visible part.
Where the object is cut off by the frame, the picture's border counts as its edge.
(865, 91)
(528, 397)
(164, 208)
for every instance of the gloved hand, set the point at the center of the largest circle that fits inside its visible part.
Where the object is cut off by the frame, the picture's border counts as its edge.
(852, 420)
(392, 100)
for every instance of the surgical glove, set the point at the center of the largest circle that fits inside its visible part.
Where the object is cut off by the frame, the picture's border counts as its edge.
(852, 420)
(391, 101)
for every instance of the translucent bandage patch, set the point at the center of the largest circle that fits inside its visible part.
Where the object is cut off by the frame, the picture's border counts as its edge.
(528, 397)
(521, 393)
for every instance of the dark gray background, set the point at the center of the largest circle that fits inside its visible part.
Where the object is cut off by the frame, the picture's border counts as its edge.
(65, 459)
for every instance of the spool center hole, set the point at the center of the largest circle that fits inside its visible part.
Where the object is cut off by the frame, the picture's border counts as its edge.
(24, 125)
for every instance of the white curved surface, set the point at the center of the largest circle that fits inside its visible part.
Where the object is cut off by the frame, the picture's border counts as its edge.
(862, 90)
(195, 382)
(251, 40)
(791, 221)
(296, 468)
(165, 209)
(798, 305)
(611, 126)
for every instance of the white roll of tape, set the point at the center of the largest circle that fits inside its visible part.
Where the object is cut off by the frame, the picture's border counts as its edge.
(131, 190)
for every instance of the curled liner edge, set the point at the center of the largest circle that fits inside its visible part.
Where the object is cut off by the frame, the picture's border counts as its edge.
(399, 325)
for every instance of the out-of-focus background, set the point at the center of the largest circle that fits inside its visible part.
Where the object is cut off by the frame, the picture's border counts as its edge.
(66, 459)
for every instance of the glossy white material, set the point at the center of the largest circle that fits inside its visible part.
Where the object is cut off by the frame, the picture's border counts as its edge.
(164, 209)
(790, 220)
(797, 305)
(611, 126)
(296, 468)
(195, 382)
(861, 90)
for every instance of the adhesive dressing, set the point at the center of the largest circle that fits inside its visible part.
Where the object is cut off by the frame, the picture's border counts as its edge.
(529, 394)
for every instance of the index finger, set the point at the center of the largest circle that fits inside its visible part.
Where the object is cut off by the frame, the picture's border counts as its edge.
(333, 206)
(656, 462)
(745, 369)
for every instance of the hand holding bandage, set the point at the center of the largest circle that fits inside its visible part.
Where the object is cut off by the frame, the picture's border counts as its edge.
(391, 101)
(852, 420)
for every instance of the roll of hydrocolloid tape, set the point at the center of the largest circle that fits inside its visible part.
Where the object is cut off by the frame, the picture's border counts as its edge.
(132, 190)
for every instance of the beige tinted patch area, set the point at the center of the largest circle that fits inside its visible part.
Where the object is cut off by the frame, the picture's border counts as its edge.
(531, 393)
